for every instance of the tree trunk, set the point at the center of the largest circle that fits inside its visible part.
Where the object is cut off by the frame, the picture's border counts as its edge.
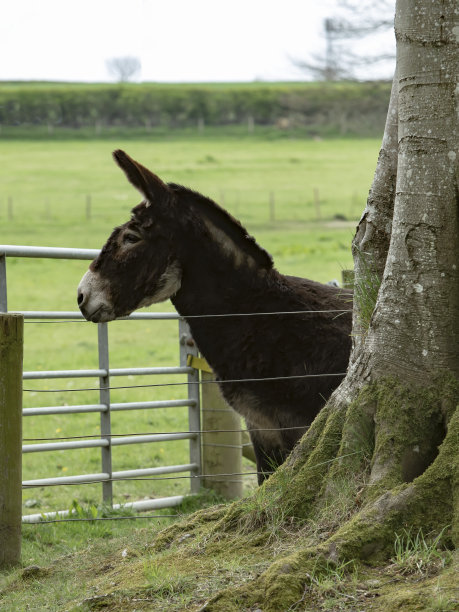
(389, 434)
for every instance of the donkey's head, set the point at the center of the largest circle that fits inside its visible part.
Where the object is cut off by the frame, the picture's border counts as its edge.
(137, 266)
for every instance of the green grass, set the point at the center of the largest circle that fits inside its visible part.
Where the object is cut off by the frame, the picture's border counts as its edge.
(45, 186)
(415, 553)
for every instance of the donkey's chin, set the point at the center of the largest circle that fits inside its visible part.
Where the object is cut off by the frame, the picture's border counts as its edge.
(102, 314)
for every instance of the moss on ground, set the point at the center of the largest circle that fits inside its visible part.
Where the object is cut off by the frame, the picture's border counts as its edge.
(231, 574)
(311, 537)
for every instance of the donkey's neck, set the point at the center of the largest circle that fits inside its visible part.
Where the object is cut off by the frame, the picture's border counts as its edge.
(215, 283)
(219, 286)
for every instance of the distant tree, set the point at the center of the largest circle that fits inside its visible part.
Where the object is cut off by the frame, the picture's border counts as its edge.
(326, 66)
(344, 33)
(123, 68)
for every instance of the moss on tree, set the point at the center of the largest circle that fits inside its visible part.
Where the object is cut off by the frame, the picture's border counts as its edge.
(353, 462)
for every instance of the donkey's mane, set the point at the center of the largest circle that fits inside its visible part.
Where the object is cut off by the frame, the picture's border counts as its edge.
(219, 218)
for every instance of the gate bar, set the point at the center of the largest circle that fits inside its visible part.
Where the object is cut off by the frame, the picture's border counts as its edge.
(39, 374)
(148, 504)
(82, 408)
(105, 417)
(126, 474)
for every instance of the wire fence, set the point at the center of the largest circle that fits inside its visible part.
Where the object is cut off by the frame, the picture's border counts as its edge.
(202, 316)
(179, 384)
(199, 431)
(178, 514)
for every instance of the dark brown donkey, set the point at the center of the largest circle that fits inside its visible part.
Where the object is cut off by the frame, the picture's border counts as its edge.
(180, 245)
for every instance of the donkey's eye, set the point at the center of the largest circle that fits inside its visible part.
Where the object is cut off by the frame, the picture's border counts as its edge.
(131, 238)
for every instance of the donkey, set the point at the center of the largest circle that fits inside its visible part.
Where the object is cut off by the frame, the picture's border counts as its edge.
(182, 246)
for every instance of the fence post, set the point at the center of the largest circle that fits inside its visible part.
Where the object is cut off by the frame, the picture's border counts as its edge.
(317, 203)
(272, 207)
(222, 450)
(188, 347)
(3, 292)
(105, 416)
(88, 207)
(11, 351)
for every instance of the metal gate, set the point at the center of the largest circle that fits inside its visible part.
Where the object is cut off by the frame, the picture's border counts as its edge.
(105, 407)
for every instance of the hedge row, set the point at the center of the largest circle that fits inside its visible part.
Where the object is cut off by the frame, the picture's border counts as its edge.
(349, 107)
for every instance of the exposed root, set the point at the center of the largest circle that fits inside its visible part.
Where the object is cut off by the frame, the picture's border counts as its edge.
(428, 503)
(348, 452)
(197, 521)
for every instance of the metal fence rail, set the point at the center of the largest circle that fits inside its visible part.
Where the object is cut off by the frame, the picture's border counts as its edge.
(105, 407)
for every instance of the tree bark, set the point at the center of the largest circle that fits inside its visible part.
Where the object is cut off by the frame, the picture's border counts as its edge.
(390, 432)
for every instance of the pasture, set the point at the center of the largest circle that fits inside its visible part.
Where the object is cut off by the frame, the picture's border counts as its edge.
(269, 185)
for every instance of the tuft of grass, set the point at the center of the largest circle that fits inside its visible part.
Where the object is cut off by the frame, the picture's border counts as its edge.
(366, 289)
(419, 554)
(266, 509)
(442, 603)
(164, 582)
(327, 585)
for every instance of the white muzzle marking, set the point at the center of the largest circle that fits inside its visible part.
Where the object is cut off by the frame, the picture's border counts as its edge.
(94, 298)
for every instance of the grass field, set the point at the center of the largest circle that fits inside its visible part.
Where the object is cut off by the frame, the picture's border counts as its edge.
(269, 185)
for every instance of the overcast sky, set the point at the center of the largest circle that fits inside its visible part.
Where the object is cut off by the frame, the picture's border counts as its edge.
(176, 40)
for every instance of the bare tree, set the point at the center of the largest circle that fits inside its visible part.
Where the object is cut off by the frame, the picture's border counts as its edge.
(123, 68)
(347, 37)
(328, 66)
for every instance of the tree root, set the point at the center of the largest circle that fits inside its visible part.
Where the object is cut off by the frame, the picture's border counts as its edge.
(380, 500)
(430, 503)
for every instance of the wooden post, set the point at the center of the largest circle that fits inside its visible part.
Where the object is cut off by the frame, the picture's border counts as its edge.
(3, 292)
(11, 350)
(88, 207)
(236, 204)
(222, 450)
(317, 203)
(354, 203)
(272, 207)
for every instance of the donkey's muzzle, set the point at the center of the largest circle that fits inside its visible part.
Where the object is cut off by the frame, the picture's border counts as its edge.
(94, 300)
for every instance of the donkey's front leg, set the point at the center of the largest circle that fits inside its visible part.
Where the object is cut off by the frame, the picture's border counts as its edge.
(269, 456)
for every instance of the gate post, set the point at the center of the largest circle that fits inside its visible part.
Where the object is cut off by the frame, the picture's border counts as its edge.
(221, 441)
(105, 416)
(11, 352)
(3, 295)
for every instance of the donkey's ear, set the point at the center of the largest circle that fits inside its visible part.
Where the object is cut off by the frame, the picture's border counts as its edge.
(149, 185)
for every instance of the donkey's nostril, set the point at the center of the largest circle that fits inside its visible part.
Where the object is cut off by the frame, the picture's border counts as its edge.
(80, 298)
